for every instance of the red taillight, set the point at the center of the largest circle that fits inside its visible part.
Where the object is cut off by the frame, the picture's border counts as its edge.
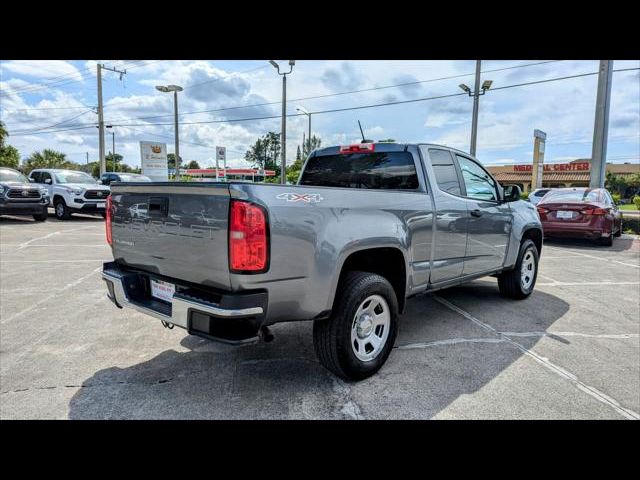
(107, 222)
(595, 211)
(248, 249)
(542, 211)
(358, 148)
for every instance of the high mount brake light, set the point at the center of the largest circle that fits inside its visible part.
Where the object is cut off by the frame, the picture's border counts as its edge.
(248, 247)
(595, 211)
(358, 148)
(107, 222)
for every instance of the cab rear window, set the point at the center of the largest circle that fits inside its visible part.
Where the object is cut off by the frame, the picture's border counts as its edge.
(380, 170)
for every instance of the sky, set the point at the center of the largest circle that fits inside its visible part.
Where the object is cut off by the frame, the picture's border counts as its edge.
(51, 104)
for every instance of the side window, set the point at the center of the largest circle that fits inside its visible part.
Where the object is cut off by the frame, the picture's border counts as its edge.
(44, 176)
(445, 171)
(477, 181)
(36, 177)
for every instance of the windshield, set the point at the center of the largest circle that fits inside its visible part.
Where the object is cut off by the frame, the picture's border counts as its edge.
(133, 178)
(12, 176)
(74, 177)
(585, 195)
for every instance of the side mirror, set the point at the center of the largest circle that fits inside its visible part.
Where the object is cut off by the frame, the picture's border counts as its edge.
(31, 180)
(100, 182)
(512, 193)
(47, 181)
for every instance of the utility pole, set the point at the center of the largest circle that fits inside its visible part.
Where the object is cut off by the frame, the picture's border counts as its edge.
(476, 100)
(601, 126)
(113, 145)
(175, 132)
(87, 158)
(103, 166)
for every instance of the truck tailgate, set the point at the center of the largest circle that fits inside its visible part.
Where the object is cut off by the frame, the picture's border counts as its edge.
(175, 229)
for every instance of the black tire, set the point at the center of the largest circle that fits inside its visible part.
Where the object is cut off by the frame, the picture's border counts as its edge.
(619, 231)
(332, 337)
(606, 241)
(41, 217)
(61, 210)
(510, 283)
(103, 214)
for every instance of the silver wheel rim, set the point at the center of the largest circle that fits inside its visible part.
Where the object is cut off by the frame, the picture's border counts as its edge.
(370, 328)
(527, 269)
(60, 210)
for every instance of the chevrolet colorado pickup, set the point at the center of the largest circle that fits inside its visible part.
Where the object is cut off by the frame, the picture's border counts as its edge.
(19, 197)
(368, 226)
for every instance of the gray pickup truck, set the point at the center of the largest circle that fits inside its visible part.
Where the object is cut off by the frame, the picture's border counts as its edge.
(367, 227)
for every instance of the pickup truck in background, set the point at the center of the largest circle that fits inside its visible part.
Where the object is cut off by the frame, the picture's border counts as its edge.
(19, 197)
(367, 227)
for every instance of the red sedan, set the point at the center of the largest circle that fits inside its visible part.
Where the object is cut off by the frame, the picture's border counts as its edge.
(580, 212)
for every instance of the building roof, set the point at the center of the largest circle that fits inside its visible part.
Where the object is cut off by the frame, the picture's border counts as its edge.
(547, 176)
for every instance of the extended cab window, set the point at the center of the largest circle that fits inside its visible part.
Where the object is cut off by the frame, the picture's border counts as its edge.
(378, 170)
(445, 171)
(477, 181)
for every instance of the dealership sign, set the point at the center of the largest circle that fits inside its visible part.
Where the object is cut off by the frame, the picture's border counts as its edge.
(556, 167)
(153, 159)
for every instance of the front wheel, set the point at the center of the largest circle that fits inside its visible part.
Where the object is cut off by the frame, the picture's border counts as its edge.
(519, 282)
(357, 340)
(41, 217)
(61, 209)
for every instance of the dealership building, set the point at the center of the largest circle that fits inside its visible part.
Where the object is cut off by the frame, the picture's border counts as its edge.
(558, 175)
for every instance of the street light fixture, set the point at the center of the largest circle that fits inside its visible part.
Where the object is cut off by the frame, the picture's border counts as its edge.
(283, 133)
(308, 114)
(175, 89)
(486, 85)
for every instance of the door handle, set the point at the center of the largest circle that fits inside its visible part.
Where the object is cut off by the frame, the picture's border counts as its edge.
(476, 213)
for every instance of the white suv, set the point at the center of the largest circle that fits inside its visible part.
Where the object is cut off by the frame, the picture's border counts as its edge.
(71, 191)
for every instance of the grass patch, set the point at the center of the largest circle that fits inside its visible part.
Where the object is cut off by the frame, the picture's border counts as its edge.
(628, 206)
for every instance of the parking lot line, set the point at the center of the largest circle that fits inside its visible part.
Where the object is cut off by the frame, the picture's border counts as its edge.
(571, 334)
(49, 297)
(598, 258)
(448, 341)
(592, 391)
(586, 284)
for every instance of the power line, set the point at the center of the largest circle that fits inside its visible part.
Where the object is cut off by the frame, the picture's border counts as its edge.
(360, 107)
(340, 93)
(52, 126)
(397, 102)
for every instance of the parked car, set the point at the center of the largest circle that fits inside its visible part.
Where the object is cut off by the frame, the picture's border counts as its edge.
(19, 197)
(580, 212)
(108, 177)
(537, 194)
(367, 227)
(71, 191)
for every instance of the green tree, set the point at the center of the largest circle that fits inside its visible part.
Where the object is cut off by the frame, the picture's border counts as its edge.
(615, 184)
(193, 165)
(265, 152)
(310, 145)
(171, 160)
(47, 159)
(9, 155)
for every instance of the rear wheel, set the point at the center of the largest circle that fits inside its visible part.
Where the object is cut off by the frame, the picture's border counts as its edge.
(519, 282)
(606, 241)
(619, 231)
(357, 340)
(61, 209)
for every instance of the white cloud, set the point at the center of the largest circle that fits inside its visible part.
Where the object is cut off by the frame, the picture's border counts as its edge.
(46, 69)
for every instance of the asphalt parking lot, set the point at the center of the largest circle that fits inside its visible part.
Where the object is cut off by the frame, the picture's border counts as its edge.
(570, 351)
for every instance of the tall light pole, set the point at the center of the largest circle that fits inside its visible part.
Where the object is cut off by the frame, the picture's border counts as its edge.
(601, 126)
(283, 133)
(175, 89)
(308, 114)
(486, 85)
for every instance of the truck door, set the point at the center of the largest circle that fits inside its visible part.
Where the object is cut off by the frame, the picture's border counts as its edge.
(489, 220)
(450, 235)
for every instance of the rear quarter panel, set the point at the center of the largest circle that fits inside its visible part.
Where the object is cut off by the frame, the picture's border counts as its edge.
(311, 237)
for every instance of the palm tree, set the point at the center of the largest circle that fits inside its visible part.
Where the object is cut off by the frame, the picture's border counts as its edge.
(3, 133)
(47, 159)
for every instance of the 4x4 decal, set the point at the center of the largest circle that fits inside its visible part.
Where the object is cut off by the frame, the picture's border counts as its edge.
(300, 197)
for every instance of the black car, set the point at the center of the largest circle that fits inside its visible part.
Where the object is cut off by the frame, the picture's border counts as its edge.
(108, 177)
(19, 197)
